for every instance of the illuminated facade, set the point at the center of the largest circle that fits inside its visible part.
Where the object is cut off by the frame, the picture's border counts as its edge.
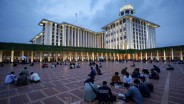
(127, 32)
(130, 32)
(65, 34)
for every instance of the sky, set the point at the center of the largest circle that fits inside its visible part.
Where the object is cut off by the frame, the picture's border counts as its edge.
(19, 18)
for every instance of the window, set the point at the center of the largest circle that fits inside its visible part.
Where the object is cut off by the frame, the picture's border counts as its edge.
(52, 36)
(124, 37)
(121, 38)
(124, 20)
(53, 25)
(126, 11)
(120, 22)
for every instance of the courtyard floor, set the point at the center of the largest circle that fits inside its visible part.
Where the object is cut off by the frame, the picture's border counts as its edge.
(62, 85)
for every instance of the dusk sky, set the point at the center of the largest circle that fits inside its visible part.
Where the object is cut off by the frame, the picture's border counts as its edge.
(19, 18)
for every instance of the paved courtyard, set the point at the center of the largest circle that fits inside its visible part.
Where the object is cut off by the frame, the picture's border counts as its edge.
(62, 85)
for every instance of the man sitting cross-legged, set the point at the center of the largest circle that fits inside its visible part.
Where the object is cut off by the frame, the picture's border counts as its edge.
(105, 95)
(133, 94)
(115, 79)
(34, 77)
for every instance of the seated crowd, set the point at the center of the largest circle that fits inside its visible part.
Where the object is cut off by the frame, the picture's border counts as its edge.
(137, 85)
(23, 79)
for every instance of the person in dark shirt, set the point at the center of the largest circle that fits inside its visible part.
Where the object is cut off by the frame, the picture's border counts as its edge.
(136, 73)
(153, 75)
(92, 73)
(156, 68)
(124, 71)
(105, 95)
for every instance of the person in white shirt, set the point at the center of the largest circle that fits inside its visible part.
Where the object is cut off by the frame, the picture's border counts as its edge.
(10, 78)
(34, 77)
(127, 78)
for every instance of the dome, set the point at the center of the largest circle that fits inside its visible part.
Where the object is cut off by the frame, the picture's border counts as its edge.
(125, 7)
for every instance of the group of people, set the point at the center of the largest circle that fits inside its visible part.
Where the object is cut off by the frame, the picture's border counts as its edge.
(23, 78)
(73, 65)
(95, 71)
(101, 93)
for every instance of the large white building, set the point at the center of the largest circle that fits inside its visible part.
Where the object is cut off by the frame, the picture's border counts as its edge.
(127, 32)
(66, 34)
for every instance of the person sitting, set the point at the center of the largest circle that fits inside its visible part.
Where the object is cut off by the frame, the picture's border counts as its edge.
(34, 77)
(127, 78)
(136, 73)
(98, 70)
(22, 80)
(156, 68)
(133, 65)
(170, 67)
(115, 79)
(124, 71)
(90, 91)
(105, 95)
(1, 64)
(53, 66)
(44, 65)
(92, 73)
(180, 62)
(145, 74)
(14, 64)
(143, 87)
(100, 66)
(32, 64)
(133, 94)
(78, 65)
(153, 75)
(25, 72)
(10, 78)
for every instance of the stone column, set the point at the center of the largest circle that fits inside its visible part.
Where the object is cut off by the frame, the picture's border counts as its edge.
(151, 56)
(63, 55)
(172, 54)
(41, 56)
(32, 56)
(181, 54)
(1, 56)
(118, 56)
(70, 55)
(102, 55)
(146, 56)
(141, 55)
(56, 55)
(164, 55)
(97, 56)
(157, 55)
(93, 56)
(22, 52)
(12, 55)
(87, 56)
(106, 56)
(82, 56)
(114, 56)
(76, 56)
(49, 57)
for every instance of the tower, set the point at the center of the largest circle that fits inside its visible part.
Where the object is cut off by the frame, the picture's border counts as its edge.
(126, 9)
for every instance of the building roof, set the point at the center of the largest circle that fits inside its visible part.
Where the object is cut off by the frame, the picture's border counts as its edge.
(78, 26)
(127, 16)
(46, 20)
(38, 35)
